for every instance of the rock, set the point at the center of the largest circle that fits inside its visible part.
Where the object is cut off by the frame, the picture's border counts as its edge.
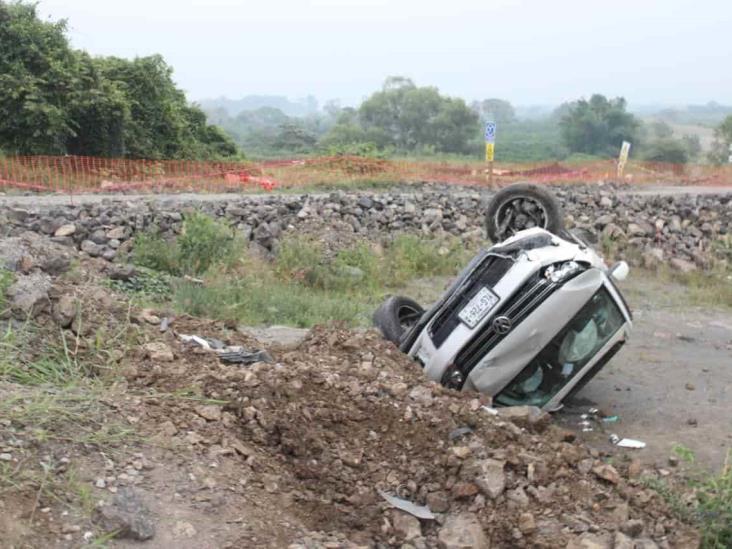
(365, 202)
(461, 452)
(634, 468)
(463, 490)
(209, 412)
(64, 311)
(91, 248)
(607, 472)
(183, 529)
(406, 527)
(622, 541)
(529, 417)
(157, 351)
(28, 295)
(65, 230)
(122, 272)
(438, 502)
(589, 541)
(526, 523)
(126, 516)
(682, 265)
(462, 531)
(489, 477)
(646, 543)
(148, 316)
(652, 258)
(633, 528)
(117, 233)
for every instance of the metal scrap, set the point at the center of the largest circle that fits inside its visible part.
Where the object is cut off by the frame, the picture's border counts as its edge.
(419, 511)
(231, 354)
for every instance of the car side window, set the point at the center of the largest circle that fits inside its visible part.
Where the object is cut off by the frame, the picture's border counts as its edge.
(566, 355)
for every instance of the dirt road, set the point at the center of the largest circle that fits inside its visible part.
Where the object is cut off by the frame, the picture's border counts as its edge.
(671, 384)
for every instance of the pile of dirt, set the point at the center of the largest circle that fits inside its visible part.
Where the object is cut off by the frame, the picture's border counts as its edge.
(302, 451)
(343, 418)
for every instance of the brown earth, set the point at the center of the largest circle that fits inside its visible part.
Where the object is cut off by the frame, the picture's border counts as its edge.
(296, 453)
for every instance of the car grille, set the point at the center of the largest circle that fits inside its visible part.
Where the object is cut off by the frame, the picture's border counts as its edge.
(487, 274)
(532, 294)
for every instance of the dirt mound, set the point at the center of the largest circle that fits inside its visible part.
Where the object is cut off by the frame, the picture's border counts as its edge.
(331, 425)
(351, 165)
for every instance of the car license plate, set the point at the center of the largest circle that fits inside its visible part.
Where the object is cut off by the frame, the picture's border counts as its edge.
(478, 307)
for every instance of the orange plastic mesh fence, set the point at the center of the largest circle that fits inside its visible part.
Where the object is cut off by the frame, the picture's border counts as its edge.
(81, 174)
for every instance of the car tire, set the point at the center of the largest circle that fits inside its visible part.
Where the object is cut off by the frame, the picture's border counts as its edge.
(396, 316)
(522, 206)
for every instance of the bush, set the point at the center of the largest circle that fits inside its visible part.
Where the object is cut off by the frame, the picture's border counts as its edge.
(203, 243)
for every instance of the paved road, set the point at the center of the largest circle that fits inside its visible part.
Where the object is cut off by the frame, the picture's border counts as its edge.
(65, 199)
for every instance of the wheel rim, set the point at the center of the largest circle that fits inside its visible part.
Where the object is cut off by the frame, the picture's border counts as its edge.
(408, 316)
(519, 213)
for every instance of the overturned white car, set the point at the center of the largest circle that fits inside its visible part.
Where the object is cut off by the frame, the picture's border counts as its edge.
(529, 321)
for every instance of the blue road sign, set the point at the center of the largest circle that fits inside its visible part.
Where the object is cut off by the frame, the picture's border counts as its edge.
(490, 132)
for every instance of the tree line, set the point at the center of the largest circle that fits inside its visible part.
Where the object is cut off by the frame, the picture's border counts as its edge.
(58, 100)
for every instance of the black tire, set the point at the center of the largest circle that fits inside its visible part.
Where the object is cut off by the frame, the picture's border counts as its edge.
(519, 207)
(396, 316)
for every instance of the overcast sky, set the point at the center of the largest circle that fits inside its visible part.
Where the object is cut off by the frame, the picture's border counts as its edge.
(526, 51)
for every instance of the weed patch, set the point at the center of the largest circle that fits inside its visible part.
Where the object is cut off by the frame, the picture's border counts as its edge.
(302, 286)
(203, 243)
(6, 280)
(708, 504)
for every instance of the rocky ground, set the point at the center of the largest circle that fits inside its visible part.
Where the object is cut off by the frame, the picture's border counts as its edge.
(679, 229)
(145, 438)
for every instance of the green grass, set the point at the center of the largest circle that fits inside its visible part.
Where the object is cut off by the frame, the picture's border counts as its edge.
(706, 501)
(6, 280)
(302, 286)
(203, 242)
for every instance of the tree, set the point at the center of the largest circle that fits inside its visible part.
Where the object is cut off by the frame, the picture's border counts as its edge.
(722, 140)
(598, 126)
(497, 110)
(409, 118)
(37, 73)
(667, 149)
(56, 100)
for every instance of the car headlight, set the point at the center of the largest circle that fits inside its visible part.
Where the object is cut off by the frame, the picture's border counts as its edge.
(560, 271)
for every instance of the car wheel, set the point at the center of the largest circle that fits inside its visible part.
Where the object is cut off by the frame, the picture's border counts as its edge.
(396, 316)
(522, 206)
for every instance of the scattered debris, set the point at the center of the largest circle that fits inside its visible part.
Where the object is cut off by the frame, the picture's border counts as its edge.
(231, 354)
(419, 511)
(626, 442)
(126, 516)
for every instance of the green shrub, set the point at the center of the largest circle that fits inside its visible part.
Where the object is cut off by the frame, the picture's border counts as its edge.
(151, 250)
(203, 243)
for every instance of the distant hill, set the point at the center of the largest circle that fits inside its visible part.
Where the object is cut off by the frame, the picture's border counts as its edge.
(709, 115)
(233, 107)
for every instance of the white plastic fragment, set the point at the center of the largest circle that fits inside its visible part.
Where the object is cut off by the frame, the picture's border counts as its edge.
(491, 411)
(194, 338)
(631, 443)
(419, 511)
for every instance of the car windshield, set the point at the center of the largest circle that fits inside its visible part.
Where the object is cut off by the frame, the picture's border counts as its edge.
(566, 355)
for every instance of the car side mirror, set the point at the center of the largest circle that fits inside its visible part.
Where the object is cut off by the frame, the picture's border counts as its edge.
(620, 271)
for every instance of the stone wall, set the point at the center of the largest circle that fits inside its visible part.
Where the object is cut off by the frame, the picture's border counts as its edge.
(680, 227)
